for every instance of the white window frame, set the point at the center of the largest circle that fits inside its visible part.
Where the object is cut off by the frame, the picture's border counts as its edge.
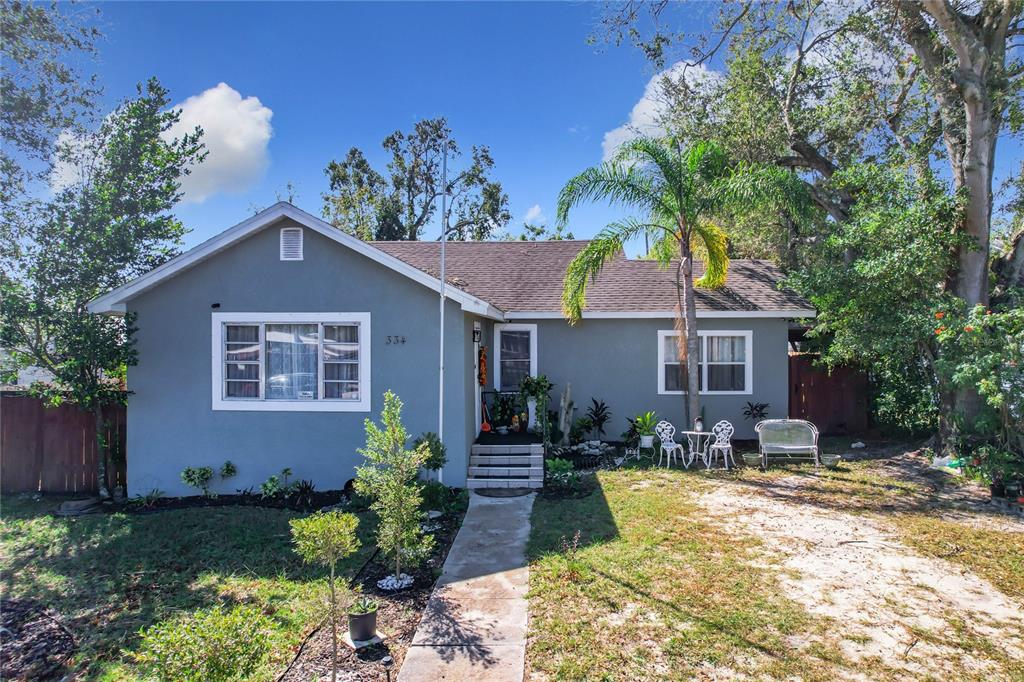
(321, 404)
(513, 327)
(702, 334)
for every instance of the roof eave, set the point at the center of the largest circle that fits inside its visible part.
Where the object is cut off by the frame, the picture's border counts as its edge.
(663, 314)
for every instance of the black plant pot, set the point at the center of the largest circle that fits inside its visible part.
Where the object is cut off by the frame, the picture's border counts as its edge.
(362, 626)
(997, 489)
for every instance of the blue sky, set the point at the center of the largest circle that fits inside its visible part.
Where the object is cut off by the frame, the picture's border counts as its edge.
(303, 82)
(519, 78)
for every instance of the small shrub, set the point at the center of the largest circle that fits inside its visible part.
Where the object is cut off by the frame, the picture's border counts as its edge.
(271, 487)
(579, 429)
(435, 496)
(756, 411)
(438, 453)
(598, 415)
(562, 475)
(212, 645)
(199, 478)
(149, 499)
(278, 484)
(228, 469)
(303, 492)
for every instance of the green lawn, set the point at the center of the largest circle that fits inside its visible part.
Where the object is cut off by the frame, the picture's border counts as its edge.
(111, 574)
(654, 592)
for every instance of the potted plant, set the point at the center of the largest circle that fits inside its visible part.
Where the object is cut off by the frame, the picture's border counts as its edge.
(645, 424)
(534, 392)
(362, 619)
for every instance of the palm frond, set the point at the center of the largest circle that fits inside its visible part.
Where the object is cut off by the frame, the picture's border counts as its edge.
(663, 153)
(710, 244)
(707, 161)
(617, 183)
(588, 263)
(764, 186)
(665, 250)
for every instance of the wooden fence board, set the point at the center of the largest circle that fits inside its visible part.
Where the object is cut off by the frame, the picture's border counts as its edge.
(836, 402)
(54, 449)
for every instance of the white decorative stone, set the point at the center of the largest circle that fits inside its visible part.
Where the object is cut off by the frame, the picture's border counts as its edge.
(857, 446)
(391, 584)
(434, 514)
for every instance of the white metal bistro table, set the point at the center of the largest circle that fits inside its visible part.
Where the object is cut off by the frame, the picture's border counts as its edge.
(693, 439)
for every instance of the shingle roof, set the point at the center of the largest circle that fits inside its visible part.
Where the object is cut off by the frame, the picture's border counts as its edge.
(518, 276)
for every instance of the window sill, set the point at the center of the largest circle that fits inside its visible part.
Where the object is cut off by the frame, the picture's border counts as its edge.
(292, 405)
(707, 393)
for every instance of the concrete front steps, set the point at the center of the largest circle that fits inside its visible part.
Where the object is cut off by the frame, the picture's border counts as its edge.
(506, 466)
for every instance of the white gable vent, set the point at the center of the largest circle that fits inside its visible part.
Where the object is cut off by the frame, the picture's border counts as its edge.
(291, 243)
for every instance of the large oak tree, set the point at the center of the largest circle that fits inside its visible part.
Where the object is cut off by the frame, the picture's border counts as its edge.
(399, 203)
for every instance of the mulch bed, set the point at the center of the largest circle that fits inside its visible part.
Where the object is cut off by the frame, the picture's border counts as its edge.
(315, 500)
(34, 644)
(397, 618)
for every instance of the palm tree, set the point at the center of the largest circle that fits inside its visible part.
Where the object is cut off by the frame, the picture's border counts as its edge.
(682, 191)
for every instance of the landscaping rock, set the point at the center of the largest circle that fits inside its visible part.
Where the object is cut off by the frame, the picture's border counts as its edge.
(857, 446)
(89, 505)
(433, 514)
(391, 584)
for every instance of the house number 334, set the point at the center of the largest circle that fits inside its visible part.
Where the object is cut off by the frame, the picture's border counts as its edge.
(394, 340)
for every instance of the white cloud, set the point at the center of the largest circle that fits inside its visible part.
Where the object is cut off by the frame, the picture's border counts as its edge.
(236, 132)
(647, 115)
(535, 215)
(65, 172)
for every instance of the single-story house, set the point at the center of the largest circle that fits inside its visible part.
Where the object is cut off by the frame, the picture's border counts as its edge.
(269, 344)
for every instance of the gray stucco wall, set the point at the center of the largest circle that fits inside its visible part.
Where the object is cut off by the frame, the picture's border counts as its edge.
(171, 423)
(617, 361)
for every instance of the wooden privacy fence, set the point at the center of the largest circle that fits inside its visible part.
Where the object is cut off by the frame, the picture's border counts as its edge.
(53, 449)
(836, 402)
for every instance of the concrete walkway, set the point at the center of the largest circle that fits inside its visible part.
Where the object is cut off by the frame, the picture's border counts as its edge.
(474, 626)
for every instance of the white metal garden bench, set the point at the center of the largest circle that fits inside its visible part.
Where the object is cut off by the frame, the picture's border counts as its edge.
(790, 438)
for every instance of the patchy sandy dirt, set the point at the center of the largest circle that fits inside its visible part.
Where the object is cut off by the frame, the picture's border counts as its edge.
(891, 606)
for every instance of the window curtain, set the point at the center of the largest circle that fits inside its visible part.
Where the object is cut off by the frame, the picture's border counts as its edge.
(291, 361)
(515, 359)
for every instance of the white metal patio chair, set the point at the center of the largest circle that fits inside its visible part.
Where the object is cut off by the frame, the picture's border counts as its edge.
(723, 431)
(790, 438)
(669, 447)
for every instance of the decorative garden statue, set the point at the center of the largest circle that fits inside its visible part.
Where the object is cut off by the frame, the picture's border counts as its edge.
(565, 414)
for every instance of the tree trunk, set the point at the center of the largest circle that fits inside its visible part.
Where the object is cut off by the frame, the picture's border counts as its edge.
(975, 176)
(681, 343)
(692, 354)
(398, 563)
(101, 452)
(334, 630)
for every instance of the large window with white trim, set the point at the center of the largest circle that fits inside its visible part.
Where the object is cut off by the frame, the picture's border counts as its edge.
(291, 361)
(724, 360)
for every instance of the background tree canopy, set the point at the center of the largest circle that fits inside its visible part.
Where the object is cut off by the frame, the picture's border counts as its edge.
(399, 204)
(111, 225)
(890, 111)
